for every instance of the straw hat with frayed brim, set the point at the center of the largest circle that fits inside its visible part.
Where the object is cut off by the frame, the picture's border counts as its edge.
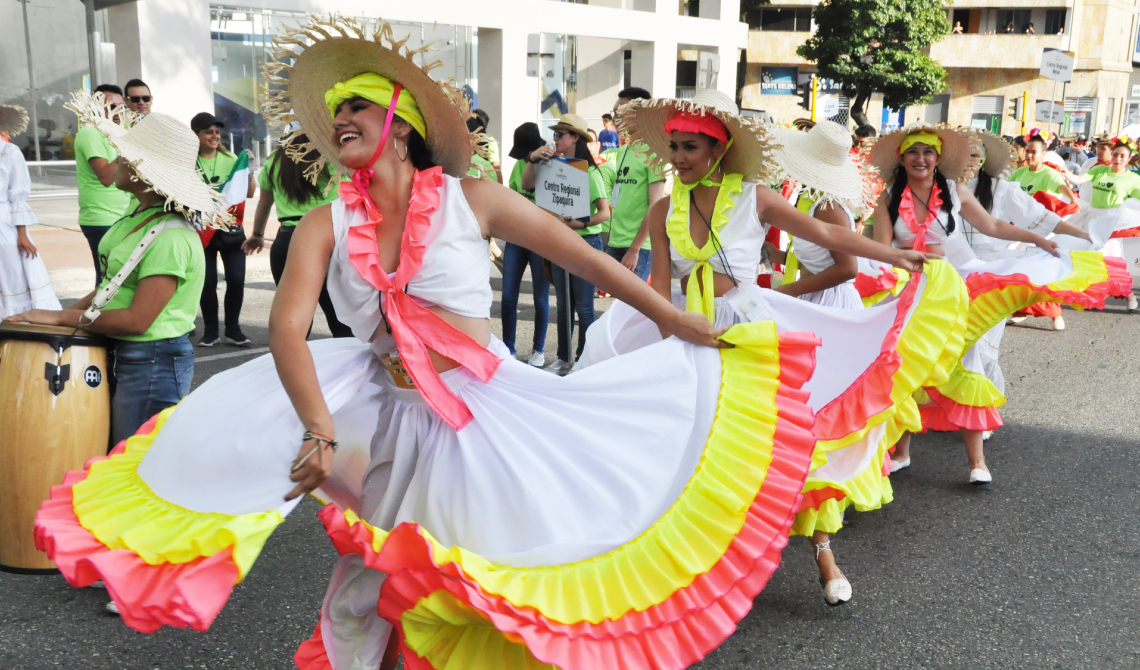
(1001, 156)
(333, 49)
(163, 152)
(574, 124)
(959, 159)
(13, 119)
(750, 154)
(821, 161)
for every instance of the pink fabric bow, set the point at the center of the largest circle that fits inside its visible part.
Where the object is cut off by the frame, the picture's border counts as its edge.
(414, 327)
(906, 211)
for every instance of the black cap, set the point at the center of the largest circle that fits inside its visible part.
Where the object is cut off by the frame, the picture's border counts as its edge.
(204, 120)
(527, 139)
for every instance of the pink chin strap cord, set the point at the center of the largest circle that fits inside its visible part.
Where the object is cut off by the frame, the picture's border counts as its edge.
(362, 178)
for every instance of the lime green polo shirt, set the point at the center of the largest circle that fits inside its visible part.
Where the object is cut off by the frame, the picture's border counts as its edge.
(99, 205)
(176, 252)
(630, 195)
(514, 182)
(289, 212)
(481, 168)
(1046, 179)
(597, 190)
(216, 171)
(1110, 189)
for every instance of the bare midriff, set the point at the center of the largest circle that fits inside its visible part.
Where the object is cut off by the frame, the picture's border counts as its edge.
(475, 328)
(722, 283)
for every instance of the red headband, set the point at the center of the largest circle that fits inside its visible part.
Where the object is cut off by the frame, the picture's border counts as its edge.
(706, 124)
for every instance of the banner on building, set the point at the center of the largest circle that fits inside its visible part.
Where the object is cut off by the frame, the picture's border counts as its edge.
(1057, 65)
(779, 80)
(562, 187)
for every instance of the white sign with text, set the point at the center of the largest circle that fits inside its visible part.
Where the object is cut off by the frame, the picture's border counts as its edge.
(1049, 112)
(562, 187)
(1057, 65)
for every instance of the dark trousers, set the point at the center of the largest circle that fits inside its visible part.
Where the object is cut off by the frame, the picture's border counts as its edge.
(582, 295)
(516, 259)
(94, 235)
(278, 254)
(228, 246)
(644, 256)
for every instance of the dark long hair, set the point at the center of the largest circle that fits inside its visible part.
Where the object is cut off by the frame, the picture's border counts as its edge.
(418, 151)
(582, 150)
(984, 191)
(899, 185)
(289, 175)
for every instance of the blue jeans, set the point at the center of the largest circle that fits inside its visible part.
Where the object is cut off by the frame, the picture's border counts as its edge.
(149, 377)
(581, 296)
(643, 260)
(515, 261)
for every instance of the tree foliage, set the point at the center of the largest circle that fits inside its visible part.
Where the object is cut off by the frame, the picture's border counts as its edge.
(870, 46)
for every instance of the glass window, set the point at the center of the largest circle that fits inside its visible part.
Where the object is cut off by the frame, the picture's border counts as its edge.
(1054, 21)
(787, 19)
(1014, 21)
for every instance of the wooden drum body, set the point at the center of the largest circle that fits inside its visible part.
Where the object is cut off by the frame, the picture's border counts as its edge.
(55, 414)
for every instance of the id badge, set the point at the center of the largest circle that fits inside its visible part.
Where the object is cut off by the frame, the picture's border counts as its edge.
(957, 250)
(615, 194)
(751, 305)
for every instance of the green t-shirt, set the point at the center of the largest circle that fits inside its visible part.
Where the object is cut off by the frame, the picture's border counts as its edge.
(216, 171)
(176, 252)
(515, 180)
(289, 212)
(1110, 189)
(492, 150)
(629, 195)
(597, 190)
(1046, 179)
(481, 168)
(99, 205)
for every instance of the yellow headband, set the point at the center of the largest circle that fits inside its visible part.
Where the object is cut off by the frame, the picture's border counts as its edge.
(921, 137)
(378, 89)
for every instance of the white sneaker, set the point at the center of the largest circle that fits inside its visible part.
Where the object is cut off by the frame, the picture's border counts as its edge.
(1132, 302)
(836, 592)
(980, 476)
(113, 608)
(97, 585)
(1058, 323)
(537, 359)
(1017, 319)
(899, 465)
(987, 434)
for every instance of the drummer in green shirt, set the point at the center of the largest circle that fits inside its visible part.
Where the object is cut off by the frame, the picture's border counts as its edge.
(284, 186)
(570, 136)
(100, 203)
(1036, 176)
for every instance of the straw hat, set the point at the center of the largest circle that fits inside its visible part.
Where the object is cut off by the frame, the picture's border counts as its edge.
(959, 159)
(1000, 155)
(751, 151)
(821, 161)
(574, 124)
(163, 152)
(13, 119)
(333, 49)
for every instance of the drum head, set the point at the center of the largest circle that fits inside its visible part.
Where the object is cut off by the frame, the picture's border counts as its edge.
(56, 336)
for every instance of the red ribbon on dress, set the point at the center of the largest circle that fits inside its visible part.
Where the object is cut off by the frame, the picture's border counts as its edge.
(414, 327)
(906, 211)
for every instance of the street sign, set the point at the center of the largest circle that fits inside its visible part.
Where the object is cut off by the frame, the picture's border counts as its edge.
(1057, 65)
(562, 186)
(1049, 112)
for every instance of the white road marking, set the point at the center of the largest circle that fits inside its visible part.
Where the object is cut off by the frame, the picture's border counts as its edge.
(232, 354)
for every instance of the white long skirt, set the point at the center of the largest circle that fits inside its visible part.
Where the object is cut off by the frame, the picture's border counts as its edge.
(24, 282)
(843, 296)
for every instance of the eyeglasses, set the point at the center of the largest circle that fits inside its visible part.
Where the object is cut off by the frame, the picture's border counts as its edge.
(138, 98)
(558, 134)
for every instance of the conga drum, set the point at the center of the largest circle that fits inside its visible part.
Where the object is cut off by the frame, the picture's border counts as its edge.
(55, 414)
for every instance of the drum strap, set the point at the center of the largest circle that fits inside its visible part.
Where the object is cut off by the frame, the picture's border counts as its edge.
(109, 290)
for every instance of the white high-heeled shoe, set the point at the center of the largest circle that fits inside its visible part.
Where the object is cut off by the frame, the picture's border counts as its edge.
(835, 591)
(980, 476)
(899, 465)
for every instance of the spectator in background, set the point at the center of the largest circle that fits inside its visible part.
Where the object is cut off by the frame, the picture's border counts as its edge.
(863, 135)
(492, 144)
(1030, 30)
(516, 259)
(100, 203)
(958, 30)
(609, 138)
(636, 186)
(217, 166)
(138, 96)
(595, 147)
(570, 136)
(1103, 155)
(284, 185)
(483, 168)
(1009, 30)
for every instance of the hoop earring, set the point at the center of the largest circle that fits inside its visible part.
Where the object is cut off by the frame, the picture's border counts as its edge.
(397, 150)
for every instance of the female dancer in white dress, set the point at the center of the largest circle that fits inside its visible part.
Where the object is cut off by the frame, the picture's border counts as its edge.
(870, 360)
(922, 165)
(495, 515)
(24, 281)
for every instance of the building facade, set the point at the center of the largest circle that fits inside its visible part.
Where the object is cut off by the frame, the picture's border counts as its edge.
(519, 60)
(993, 61)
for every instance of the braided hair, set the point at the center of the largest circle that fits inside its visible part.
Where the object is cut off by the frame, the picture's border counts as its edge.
(984, 191)
(899, 185)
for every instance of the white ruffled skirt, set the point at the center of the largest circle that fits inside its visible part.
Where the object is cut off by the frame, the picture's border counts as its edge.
(24, 282)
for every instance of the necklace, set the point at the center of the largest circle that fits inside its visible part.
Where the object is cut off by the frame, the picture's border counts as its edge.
(213, 178)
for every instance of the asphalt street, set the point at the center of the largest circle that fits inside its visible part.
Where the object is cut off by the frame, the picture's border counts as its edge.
(1037, 570)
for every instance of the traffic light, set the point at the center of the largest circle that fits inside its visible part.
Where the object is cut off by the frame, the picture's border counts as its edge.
(1015, 108)
(805, 97)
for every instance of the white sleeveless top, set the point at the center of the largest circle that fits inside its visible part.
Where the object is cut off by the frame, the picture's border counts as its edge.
(812, 256)
(936, 234)
(455, 273)
(741, 240)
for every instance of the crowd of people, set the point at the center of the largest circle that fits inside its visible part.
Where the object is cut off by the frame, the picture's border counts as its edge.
(792, 305)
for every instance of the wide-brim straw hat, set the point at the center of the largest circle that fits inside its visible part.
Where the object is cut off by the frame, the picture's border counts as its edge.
(163, 152)
(752, 141)
(1000, 156)
(822, 162)
(959, 159)
(13, 119)
(306, 62)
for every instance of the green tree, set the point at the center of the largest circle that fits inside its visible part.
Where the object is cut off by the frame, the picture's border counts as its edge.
(870, 46)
